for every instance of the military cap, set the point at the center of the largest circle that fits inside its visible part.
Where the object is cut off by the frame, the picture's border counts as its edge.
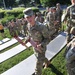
(54, 8)
(28, 12)
(58, 4)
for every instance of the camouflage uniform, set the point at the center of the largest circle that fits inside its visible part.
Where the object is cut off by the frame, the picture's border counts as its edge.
(24, 22)
(46, 12)
(56, 21)
(19, 26)
(70, 58)
(70, 14)
(12, 29)
(59, 14)
(50, 21)
(39, 17)
(40, 35)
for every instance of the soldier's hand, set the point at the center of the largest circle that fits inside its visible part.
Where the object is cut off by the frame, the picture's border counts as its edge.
(39, 48)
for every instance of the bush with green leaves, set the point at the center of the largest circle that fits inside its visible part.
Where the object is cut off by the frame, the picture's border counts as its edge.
(14, 13)
(8, 18)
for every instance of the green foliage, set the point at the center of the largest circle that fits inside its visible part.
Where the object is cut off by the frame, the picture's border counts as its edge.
(8, 15)
(7, 18)
(3, 21)
(7, 34)
(10, 3)
(20, 16)
(14, 12)
(35, 9)
(53, 2)
(2, 13)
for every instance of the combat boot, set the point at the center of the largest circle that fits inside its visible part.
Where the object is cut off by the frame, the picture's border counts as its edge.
(46, 65)
(33, 74)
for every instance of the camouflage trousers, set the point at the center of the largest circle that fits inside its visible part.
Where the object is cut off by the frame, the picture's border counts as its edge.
(68, 34)
(40, 60)
(71, 68)
(70, 57)
(52, 31)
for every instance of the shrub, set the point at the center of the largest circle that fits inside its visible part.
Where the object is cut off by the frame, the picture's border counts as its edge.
(8, 18)
(8, 15)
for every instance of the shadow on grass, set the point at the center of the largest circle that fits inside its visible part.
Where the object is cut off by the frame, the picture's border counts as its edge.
(54, 70)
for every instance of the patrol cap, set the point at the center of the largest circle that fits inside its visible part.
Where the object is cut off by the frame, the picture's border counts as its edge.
(28, 12)
(54, 8)
(58, 4)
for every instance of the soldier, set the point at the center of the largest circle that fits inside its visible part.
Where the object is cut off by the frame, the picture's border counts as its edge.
(59, 14)
(39, 17)
(12, 29)
(40, 35)
(70, 14)
(70, 57)
(47, 11)
(50, 22)
(56, 21)
(24, 23)
(19, 26)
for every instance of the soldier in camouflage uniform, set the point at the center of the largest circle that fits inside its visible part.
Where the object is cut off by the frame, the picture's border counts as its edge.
(70, 57)
(40, 35)
(12, 29)
(50, 21)
(19, 26)
(24, 23)
(46, 12)
(56, 21)
(70, 14)
(59, 14)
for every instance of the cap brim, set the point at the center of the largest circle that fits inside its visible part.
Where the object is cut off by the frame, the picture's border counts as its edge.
(26, 15)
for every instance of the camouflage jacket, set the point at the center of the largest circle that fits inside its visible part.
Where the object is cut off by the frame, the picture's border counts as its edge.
(70, 54)
(70, 15)
(39, 33)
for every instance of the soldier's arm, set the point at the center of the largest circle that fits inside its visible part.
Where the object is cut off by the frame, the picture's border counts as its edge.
(72, 57)
(67, 14)
(46, 36)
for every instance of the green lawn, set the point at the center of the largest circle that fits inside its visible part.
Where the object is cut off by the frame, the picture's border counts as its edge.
(6, 34)
(15, 60)
(57, 66)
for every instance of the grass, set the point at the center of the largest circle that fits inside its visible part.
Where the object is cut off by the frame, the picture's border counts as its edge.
(57, 66)
(10, 47)
(15, 60)
(6, 34)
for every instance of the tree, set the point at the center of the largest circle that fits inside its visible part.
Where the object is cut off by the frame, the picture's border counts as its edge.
(25, 2)
(46, 2)
(1, 3)
(53, 2)
(10, 3)
(37, 1)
